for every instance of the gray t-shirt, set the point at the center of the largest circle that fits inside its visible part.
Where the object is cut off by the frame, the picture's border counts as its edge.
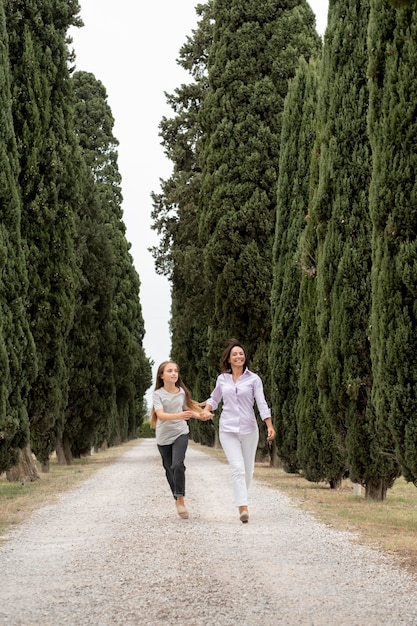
(167, 431)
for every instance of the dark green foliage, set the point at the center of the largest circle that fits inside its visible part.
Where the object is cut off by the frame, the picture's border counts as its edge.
(297, 140)
(110, 372)
(255, 51)
(17, 350)
(343, 250)
(145, 431)
(179, 254)
(393, 132)
(401, 4)
(342, 224)
(317, 453)
(92, 412)
(132, 370)
(48, 155)
(91, 398)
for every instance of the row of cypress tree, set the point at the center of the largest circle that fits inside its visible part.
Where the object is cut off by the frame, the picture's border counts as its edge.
(73, 368)
(289, 222)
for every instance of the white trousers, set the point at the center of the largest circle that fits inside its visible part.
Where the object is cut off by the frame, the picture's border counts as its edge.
(240, 451)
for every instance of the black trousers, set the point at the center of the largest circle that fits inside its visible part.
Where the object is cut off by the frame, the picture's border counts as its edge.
(173, 456)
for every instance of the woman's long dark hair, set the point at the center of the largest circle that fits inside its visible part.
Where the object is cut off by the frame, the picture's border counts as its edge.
(193, 405)
(225, 357)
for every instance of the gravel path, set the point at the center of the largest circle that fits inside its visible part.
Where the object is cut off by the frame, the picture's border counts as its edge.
(114, 552)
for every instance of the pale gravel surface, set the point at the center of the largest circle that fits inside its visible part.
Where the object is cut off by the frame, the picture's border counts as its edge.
(114, 552)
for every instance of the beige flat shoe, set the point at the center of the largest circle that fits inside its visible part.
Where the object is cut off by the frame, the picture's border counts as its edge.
(244, 517)
(182, 511)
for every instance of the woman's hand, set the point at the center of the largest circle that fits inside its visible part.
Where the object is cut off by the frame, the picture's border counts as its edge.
(206, 415)
(271, 433)
(270, 429)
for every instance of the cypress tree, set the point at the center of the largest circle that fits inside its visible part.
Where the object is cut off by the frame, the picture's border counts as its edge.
(110, 371)
(48, 156)
(393, 129)
(175, 217)
(343, 251)
(17, 350)
(132, 368)
(317, 452)
(92, 396)
(297, 140)
(255, 51)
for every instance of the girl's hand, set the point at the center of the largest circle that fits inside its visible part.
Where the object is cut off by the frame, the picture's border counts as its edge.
(186, 415)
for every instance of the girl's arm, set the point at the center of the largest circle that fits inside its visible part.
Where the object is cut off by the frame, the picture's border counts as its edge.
(183, 415)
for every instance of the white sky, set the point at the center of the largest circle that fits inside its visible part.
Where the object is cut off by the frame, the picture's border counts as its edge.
(132, 49)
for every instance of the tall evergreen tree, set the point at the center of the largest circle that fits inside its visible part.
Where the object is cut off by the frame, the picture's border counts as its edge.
(92, 395)
(17, 350)
(175, 217)
(317, 452)
(297, 140)
(49, 157)
(393, 201)
(343, 252)
(255, 52)
(110, 371)
(131, 366)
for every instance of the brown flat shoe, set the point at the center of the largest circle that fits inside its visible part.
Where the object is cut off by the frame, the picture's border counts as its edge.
(244, 517)
(182, 511)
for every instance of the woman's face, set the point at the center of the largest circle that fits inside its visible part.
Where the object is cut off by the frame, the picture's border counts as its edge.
(237, 357)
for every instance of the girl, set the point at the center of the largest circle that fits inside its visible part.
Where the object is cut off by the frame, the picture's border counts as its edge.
(172, 407)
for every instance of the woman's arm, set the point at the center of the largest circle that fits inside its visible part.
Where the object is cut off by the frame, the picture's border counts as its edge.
(213, 402)
(271, 430)
(264, 410)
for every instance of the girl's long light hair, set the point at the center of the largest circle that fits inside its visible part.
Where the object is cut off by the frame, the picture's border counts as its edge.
(191, 404)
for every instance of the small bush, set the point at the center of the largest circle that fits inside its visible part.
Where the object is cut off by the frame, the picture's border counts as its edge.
(145, 431)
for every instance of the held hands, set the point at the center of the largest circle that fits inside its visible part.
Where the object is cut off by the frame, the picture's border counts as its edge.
(205, 415)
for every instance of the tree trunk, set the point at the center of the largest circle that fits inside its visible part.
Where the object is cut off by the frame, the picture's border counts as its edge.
(216, 445)
(45, 467)
(376, 490)
(60, 455)
(274, 460)
(67, 451)
(335, 483)
(25, 471)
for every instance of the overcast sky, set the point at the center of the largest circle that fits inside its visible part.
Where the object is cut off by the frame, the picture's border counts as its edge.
(132, 49)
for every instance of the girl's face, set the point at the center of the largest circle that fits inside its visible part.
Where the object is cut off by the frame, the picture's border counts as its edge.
(170, 373)
(237, 357)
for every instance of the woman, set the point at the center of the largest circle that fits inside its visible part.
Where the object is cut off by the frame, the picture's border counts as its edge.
(172, 407)
(239, 388)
